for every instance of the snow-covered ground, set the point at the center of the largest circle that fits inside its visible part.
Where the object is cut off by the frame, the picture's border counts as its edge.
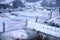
(19, 19)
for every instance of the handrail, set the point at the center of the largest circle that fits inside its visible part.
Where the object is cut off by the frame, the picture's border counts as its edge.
(54, 31)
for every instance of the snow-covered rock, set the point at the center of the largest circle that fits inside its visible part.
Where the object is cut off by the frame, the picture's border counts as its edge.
(14, 35)
(17, 34)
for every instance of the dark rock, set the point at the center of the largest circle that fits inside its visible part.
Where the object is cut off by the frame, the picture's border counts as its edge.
(4, 6)
(32, 0)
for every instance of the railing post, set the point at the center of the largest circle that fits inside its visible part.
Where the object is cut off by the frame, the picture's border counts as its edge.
(26, 23)
(3, 26)
(50, 14)
(36, 19)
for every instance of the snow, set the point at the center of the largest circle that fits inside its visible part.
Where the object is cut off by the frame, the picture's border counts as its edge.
(30, 13)
(14, 34)
(1, 28)
(19, 21)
